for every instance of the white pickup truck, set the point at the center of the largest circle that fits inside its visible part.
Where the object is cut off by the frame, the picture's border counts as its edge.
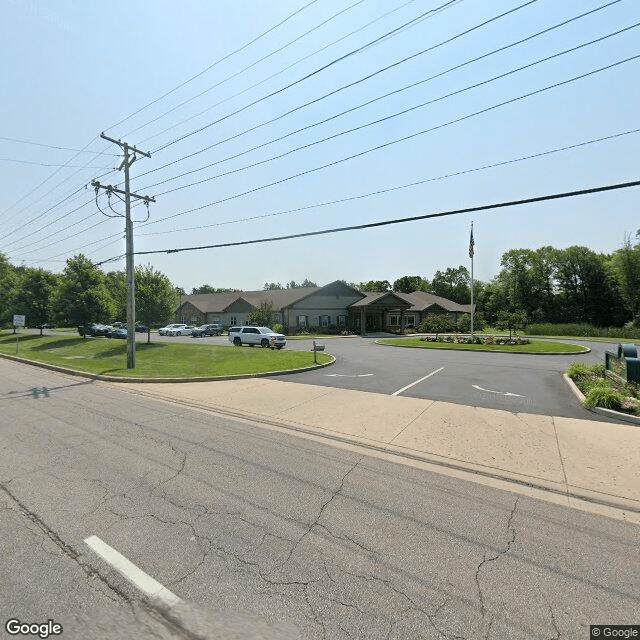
(262, 336)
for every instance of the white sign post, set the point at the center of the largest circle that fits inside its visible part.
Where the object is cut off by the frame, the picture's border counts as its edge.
(18, 321)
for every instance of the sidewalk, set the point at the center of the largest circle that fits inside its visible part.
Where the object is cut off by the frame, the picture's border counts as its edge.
(593, 461)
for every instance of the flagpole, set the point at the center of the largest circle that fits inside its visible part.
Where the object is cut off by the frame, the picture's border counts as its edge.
(471, 252)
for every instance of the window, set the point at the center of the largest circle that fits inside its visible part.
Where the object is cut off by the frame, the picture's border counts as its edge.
(325, 321)
(410, 321)
(342, 321)
(234, 320)
(302, 321)
(394, 321)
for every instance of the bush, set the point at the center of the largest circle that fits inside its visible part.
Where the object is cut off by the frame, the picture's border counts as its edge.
(278, 328)
(464, 322)
(581, 370)
(601, 396)
(437, 323)
(584, 330)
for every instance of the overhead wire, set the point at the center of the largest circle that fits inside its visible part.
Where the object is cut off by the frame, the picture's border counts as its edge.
(373, 225)
(368, 124)
(316, 72)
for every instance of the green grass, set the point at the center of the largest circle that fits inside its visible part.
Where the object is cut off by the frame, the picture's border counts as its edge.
(155, 360)
(535, 346)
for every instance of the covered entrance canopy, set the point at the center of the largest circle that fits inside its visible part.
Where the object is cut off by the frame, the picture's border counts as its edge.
(370, 314)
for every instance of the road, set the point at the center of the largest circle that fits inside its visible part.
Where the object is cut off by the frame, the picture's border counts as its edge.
(269, 531)
(521, 383)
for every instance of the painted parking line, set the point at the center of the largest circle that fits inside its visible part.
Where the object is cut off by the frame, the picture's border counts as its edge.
(399, 391)
(136, 576)
(347, 375)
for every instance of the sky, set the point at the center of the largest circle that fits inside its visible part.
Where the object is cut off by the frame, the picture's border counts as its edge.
(390, 109)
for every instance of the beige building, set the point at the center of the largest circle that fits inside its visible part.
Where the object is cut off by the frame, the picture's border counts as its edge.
(336, 304)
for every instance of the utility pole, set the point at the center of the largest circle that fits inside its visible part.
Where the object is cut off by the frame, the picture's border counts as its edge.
(131, 275)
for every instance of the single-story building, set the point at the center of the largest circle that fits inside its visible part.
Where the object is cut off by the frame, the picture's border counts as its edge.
(335, 304)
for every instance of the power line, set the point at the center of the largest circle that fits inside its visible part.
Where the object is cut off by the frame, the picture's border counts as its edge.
(277, 73)
(365, 125)
(371, 225)
(379, 71)
(118, 236)
(317, 71)
(49, 164)
(51, 146)
(225, 57)
(241, 71)
(398, 140)
(403, 186)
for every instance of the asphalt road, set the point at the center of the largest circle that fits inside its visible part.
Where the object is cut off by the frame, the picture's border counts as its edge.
(275, 532)
(513, 382)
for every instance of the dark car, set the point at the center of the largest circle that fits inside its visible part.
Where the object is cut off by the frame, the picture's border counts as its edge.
(207, 330)
(46, 325)
(118, 333)
(95, 329)
(142, 328)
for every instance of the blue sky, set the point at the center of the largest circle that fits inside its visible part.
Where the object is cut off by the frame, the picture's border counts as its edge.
(74, 69)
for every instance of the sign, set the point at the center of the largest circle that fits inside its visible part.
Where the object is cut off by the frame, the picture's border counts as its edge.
(18, 321)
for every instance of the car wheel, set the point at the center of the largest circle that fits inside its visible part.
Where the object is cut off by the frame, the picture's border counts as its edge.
(237, 342)
(251, 344)
(278, 348)
(264, 343)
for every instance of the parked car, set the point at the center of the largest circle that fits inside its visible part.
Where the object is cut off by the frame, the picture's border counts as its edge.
(95, 329)
(163, 330)
(182, 330)
(46, 325)
(118, 333)
(207, 330)
(256, 335)
(142, 328)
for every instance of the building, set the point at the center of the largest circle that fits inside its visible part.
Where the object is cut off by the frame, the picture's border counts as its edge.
(336, 304)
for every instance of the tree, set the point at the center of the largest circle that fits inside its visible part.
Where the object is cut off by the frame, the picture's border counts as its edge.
(265, 316)
(409, 284)
(272, 286)
(452, 284)
(156, 298)
(625, 265)
(512, 320)
(375, 286)
(8, 281)
(207, 288)
(82, 296)
(34, 296)
(116, 283)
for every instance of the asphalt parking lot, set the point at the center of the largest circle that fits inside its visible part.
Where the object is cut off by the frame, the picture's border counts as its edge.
(521, 383)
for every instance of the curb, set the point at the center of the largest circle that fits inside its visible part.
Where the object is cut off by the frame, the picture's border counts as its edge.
(513, 353)
(609, 413)
(97, 376)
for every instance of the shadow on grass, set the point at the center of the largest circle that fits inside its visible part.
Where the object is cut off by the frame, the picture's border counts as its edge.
(56, 344)
(11, 338)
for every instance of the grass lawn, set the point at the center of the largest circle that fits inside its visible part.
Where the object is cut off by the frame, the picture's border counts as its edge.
(535, 346)
(155, 360)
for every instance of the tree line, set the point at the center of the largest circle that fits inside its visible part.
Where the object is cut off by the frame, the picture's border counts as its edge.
(547, 285)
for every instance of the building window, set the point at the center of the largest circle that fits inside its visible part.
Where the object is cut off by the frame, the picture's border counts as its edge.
(325, 321)
(410, 321)
(342, 321)
(302, 321)
(234, 320)
(394, 321)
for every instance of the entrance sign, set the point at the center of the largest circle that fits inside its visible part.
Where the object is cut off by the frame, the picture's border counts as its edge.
(18, 321)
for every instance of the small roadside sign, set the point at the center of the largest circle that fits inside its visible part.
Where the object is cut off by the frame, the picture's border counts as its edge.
(18, 321)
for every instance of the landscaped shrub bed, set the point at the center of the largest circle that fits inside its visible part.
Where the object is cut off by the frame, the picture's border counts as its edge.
(461, 339)
(602, 390)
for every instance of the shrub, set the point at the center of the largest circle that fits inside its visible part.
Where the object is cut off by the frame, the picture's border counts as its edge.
(601, 396)
(584, 330)
(464, 322)
(278, 328)
(437, 323)
(581, 370)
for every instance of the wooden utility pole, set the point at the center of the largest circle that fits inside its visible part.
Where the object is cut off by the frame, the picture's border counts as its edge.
(127, 161)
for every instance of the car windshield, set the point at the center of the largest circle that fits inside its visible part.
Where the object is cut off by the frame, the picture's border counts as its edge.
(264, 330)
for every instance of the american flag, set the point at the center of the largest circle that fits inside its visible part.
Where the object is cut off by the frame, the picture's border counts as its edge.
(471, 243)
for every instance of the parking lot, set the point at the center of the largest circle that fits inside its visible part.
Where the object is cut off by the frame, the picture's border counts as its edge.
(521, 383)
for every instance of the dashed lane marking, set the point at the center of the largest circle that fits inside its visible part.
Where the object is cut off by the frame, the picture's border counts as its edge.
(136, 576)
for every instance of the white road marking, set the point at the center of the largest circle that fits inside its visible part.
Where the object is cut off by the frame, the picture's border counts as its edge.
(346, 375)
(139, 578)
(502, 393)
(399, 391)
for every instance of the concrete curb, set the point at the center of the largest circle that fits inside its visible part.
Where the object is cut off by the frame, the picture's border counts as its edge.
(514, 353)
(609, 413)
(97, 376)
